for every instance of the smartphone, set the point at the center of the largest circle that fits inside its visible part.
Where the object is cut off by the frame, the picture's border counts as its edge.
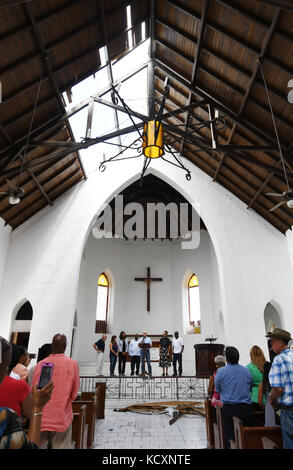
(46, 374)
(32, 356)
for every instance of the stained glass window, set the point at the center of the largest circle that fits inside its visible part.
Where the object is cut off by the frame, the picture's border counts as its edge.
(194, 303)
(193, 281)
(103, 280)
(102, 303)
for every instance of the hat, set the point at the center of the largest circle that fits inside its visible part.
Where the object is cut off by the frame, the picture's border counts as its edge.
(219, 360)
(279, 334)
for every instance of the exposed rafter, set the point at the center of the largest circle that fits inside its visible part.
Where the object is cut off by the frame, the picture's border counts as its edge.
(261, 56)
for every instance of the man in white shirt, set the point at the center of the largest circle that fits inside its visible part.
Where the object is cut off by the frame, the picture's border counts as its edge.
(177, 347)
(145, 344)
(134, 353)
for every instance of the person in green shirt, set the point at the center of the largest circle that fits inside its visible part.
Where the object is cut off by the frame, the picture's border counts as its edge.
(256, 368)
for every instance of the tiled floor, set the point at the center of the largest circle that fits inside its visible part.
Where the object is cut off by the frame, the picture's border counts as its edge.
(127, 430)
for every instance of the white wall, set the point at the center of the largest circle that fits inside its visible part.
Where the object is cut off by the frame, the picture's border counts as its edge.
(5, 232)
(127, 260)
(43, 261)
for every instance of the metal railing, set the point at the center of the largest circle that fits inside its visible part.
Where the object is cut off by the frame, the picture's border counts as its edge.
(128, 387)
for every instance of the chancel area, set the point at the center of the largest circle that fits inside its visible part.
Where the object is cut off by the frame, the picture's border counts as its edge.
(146, 212)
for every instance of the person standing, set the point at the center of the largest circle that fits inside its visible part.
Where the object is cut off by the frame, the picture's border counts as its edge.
(234, 383)
(134, 353)
(281, 380)
(215, 396)
(113, 355)
(123, 350)
(15, 393)
(165, 353)
(178, 348)
(145, 343)
(12, 435)
(256, 368)
(57, 414)
(21, 367)
(99, 346)
(271, 417)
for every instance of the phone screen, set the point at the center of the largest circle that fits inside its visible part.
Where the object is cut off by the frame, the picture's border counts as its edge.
(45, 376)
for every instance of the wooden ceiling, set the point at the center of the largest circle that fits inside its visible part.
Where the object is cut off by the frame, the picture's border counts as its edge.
(209, 49)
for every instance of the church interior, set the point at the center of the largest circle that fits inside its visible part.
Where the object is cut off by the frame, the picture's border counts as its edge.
(109, 110)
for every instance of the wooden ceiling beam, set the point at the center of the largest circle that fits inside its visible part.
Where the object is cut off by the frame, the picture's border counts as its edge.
(238, 68)
(230, 186)
(283, 4)
(261, 56)
(267, 149)
(48, 69)
(29, 208)
(262, 22)
(61, 117)
(203, 141)
(226, 110)
(214, 75)
(22, 158)
(195, 65)
(242, 43)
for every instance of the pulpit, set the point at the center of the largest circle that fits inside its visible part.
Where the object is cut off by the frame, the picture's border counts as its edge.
(204, 359)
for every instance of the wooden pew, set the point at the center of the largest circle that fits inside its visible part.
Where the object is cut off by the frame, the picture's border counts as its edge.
(251, 437)
(79, 425)
(219, 437)
(101, 398)
(90, 419)
(268, 444)
(210, 416)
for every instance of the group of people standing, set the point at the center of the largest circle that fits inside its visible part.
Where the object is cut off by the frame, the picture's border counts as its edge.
(138, 350)
(261, 385)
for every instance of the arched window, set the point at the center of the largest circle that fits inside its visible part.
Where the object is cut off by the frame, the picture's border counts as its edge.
(194, 303)
(21, 326)
(102, 304)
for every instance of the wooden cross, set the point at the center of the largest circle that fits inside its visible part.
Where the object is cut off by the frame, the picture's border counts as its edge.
(148, 280)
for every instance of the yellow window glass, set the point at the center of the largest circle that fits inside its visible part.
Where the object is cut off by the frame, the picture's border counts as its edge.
(103, 281)
(193, 281)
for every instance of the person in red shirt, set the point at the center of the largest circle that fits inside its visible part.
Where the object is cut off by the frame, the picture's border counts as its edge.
(15, 394)
(57, 414)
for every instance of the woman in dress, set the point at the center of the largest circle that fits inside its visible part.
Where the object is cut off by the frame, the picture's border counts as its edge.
(165, 353)
(113, 355)
(213, 394)
(256, 368)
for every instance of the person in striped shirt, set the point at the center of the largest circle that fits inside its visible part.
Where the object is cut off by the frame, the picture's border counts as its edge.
(281, 381)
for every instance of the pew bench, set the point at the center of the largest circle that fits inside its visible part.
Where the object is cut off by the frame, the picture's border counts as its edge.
(90, 419)
(218, 430)
(251, 437)
(210, 416)
(268, 444)
(79, 425)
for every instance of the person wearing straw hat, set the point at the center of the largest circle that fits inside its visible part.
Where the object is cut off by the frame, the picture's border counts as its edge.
(281, 380)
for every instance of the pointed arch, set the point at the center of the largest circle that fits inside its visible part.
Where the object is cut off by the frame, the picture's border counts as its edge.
(102, 311)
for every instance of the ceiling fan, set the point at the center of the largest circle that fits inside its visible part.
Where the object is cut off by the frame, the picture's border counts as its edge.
(14, 192)
(286, 195)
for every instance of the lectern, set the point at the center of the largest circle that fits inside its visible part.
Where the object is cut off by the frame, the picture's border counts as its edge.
(204, 358)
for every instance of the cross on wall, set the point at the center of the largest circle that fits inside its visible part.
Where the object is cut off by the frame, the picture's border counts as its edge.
(148, 281)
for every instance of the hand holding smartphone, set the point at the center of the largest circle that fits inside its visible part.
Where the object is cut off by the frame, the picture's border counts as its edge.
(46, 374)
